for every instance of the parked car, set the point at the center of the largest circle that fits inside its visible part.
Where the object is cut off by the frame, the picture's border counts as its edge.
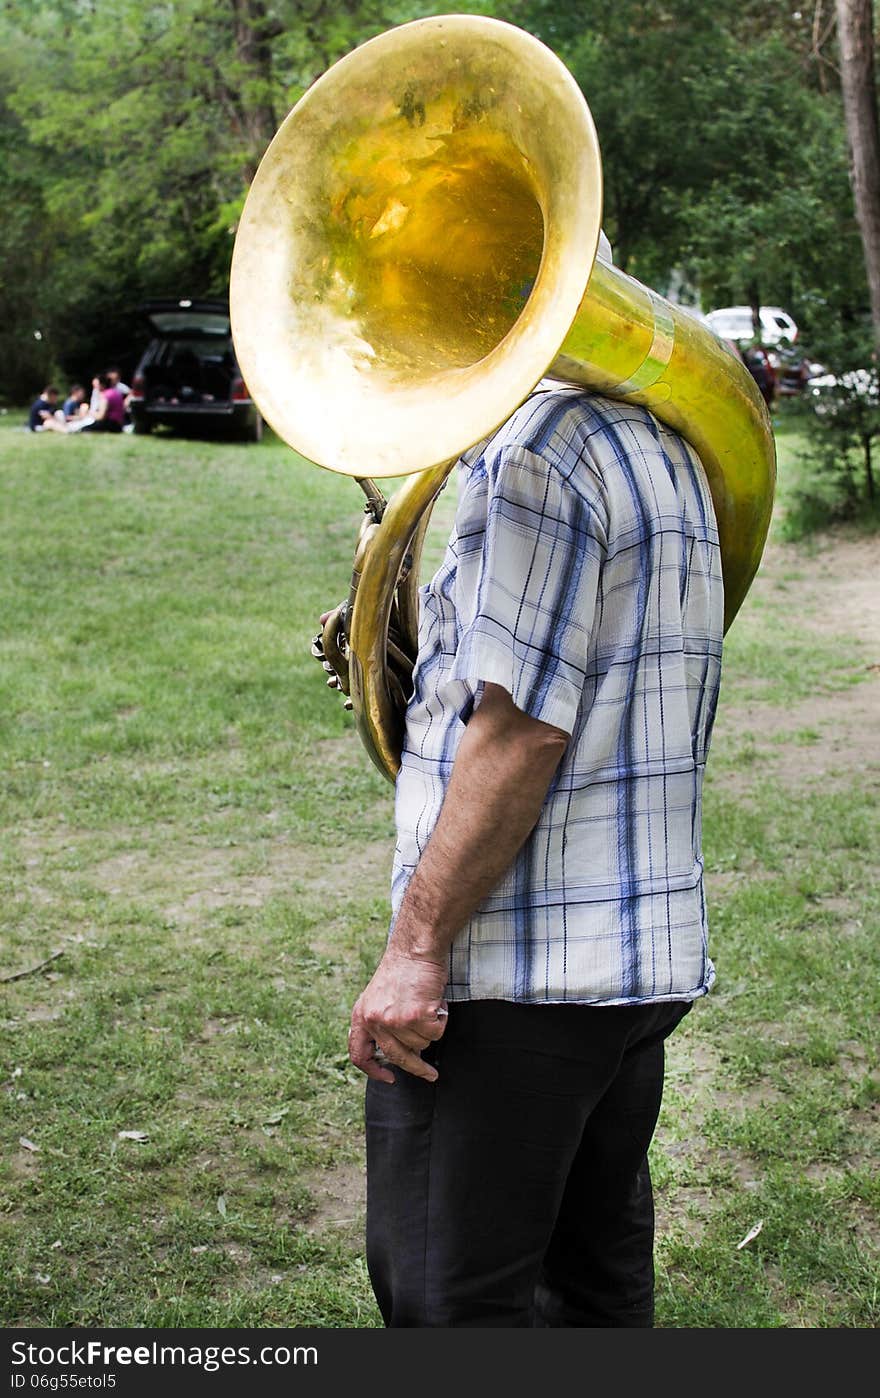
(735, 323)
(187, 378)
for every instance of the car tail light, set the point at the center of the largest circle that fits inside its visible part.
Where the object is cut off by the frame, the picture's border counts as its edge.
(239, 390)
(138, 384)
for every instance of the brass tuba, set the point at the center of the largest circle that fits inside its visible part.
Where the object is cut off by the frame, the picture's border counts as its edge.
(417, 250)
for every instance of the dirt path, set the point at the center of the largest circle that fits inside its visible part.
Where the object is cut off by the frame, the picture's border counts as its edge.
(833, 593)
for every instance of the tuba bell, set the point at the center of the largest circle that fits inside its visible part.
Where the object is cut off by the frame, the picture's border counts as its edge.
(417, 250)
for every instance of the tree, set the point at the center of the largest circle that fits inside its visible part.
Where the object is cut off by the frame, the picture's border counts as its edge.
(773, 221)
(28, 351)
(855, 27)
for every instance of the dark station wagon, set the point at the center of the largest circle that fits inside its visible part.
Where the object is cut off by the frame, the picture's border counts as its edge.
(187, 378)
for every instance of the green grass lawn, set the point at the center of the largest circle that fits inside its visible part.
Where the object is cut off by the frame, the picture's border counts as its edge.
(188, 817)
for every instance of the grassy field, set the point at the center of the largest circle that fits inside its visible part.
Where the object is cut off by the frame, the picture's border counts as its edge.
(189, 819)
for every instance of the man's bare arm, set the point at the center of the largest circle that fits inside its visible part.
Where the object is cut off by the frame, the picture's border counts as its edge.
(504, 765)
(502, 770)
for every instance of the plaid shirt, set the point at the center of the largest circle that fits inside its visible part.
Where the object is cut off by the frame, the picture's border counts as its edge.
(583, 575)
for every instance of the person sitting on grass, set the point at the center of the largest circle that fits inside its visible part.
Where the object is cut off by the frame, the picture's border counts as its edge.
(74, 404)
(45, 416)
(109, 415)
(116, 381)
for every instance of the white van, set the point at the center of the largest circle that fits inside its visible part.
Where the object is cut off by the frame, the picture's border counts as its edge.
(735, 323)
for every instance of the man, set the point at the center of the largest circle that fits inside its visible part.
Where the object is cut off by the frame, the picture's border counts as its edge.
(41, 417)
(760, 366)
(74, 405)
(117, 382)
(549, 925)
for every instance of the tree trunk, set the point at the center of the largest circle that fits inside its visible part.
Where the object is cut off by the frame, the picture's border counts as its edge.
(254, 32)
(855, 30)
(755, 304)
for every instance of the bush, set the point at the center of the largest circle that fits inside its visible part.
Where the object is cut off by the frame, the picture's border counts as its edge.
(838, 476)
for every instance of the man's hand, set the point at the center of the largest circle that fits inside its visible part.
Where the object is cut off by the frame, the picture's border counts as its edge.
(401, 1011)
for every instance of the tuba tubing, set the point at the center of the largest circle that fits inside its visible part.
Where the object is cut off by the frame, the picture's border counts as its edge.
(417, 250)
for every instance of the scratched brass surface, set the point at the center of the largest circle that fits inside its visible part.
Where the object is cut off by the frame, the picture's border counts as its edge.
(416, 251)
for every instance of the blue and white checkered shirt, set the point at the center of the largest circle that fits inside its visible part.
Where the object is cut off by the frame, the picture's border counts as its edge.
(583, 575)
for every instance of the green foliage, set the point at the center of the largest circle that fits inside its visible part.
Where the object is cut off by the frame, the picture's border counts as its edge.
(29, 235)
(837, 476)
(776, 227)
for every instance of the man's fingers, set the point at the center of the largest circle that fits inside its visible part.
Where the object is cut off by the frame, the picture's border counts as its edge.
(362, 1052)
(402, 1057)
(410, 1038)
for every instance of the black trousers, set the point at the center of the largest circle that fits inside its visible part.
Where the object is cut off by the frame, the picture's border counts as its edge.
(102, 425)
(515, 1191)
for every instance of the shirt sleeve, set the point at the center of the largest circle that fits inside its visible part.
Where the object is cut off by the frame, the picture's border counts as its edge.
(527, 586)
